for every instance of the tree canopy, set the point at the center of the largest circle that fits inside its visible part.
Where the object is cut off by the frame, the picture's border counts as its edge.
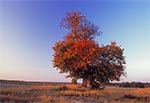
(82, 57)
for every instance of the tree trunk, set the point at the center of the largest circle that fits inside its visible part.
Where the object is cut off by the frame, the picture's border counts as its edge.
(84, 82)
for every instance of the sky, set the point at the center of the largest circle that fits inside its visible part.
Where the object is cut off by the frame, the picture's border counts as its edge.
(29, 29)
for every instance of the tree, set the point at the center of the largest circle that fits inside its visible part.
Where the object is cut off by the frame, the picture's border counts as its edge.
(82, 57)
(109, 65)
(80, 28)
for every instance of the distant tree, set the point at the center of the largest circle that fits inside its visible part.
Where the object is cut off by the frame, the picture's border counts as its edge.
(81, 57)
(139, 85)
(132, 84)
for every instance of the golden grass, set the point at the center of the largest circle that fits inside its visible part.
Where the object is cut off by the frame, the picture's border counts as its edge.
(68, 93)
(140, 92)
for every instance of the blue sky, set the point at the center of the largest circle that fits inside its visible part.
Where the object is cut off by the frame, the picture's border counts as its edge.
(29, 28)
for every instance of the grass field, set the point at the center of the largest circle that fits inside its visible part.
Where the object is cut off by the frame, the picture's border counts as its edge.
(38, 92)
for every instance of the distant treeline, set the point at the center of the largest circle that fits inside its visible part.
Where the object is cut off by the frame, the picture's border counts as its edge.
(131, 84)
(123, 84)
(21, 82)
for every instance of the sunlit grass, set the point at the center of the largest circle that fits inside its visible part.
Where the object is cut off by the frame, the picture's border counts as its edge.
(68, 93)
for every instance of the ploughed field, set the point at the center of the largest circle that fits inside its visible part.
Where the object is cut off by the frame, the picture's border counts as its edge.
(42, 92)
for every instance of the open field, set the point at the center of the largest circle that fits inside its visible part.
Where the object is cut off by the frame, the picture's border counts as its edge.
(36, 92)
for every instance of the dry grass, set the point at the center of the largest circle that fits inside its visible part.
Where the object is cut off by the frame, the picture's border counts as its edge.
(67, 93)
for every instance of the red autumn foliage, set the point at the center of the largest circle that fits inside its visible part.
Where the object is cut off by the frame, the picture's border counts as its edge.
(82, 57)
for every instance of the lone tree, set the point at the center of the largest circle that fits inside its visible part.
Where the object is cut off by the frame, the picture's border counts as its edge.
(81, 57)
